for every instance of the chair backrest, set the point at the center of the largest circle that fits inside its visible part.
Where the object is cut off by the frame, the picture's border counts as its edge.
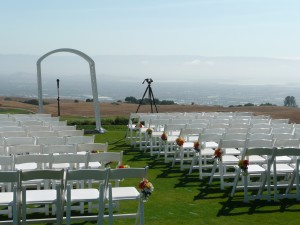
(9, 124)
(106, 157)
(80, 139)
(72, 159)
(259, 143)
(67, 133)
(36, 128)
(287, 143)
(60, 149)
(232, 143)
(12, 177)
(197, 125)
(283, 136)
(31, 123)
(55, 123)
(288, 130)
(159, 124)
(280, 121)
(190, 134)
(255, 136)
(50, 141)
(47, 174)
(9, 141)
(206, 137)
(214, 130)
(119, 174)
(173, 129)
(24, 149)
(92, 147)
(41, 160)
(218, 125)
(61, 128)
(11, 128)
(236, 136)
(260, 130)
(88, 174)
(6, 163)
(37, 134)
(236, 130)
(6, 134)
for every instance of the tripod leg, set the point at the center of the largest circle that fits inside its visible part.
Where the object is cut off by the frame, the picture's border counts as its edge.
(152, 97)
(142, 99)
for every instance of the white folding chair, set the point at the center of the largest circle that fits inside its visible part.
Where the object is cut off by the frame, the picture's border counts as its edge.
(186, 152)
(11, 197)
(85, 193)
(123, 193)
(54, 178)
(228, 160)
(259, 154)
(286, 175)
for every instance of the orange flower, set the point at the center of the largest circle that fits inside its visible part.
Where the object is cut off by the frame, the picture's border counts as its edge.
(197, 145)
(218, 154)
(164, 136)
(180, 141)
(140, 125)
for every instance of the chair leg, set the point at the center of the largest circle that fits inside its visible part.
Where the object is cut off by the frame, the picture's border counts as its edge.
(213, 170)
(24, 206)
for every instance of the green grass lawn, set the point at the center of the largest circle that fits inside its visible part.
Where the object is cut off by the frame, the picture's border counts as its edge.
(179, 198)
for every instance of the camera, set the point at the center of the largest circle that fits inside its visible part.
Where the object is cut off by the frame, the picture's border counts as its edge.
(148, 80)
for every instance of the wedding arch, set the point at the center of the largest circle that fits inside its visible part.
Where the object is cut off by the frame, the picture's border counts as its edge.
(93, 81)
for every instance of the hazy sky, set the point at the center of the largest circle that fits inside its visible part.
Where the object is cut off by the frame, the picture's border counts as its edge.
(265, 34)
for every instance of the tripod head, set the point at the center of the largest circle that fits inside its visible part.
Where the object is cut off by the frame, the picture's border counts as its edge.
(148, 80)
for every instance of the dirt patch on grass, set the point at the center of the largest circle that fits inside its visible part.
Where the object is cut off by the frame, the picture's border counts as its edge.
(69, 107)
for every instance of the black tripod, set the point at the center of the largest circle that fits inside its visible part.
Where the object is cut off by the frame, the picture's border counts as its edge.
(150, 95)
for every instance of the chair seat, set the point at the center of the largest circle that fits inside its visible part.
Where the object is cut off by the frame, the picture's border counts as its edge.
(211, 144)
(6, 198)
(36, 196)
(256, 159)
(254, 168)
(123, 193)
(283, 159)
(229, 159)
(188, 145)
(232, 151)
(207, 151)
(61, 165)
(283, 168)
(26, 166)
(156, 134)
(87, 194)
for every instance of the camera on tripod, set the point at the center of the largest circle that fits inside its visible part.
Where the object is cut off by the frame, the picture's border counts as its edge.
(148, 80)
(150, 95)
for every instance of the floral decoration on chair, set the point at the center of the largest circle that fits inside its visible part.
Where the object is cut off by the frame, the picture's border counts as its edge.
(197, 146)
(164, 137)
(243, 165)
(123, 166)
(149, 132)
(140, 125)
(146, 189)
(180, 141)
(218, 154)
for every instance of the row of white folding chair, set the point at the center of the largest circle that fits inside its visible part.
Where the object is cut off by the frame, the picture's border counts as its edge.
(83, 194)
(274, 169)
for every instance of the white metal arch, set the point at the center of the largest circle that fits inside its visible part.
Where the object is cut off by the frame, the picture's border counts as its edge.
(93, 81)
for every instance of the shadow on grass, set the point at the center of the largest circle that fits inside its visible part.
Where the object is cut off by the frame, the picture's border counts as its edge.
(235, 207)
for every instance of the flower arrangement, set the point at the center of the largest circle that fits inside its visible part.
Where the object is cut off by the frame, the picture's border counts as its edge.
(218, 154)
(146, 189)
(197, 146)
(149, 132)
(140, 125)
(243, 165)
(180, 141)
(123, 166)
(164, 137)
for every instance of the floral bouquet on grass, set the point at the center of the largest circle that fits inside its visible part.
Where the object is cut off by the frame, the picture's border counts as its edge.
(146, 188)
(164, 137)
(243, 164)
(218, 154)
(149, 132)
(180, 141)
(197, 146)
(123, 166)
